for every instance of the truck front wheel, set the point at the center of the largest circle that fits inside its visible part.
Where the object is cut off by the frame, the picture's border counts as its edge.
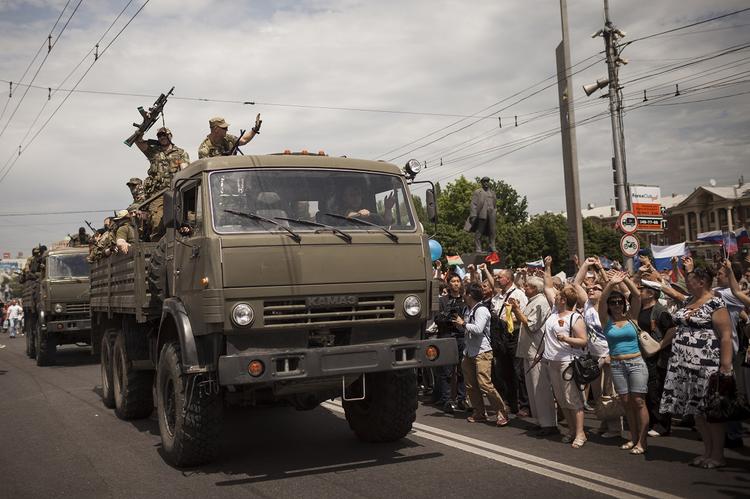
(46, 347)
(389, 408)
(132, 389)
(190, 416)
(108, 392)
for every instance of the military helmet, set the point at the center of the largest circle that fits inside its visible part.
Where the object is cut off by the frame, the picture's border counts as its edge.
(134, 181)
(164, 130)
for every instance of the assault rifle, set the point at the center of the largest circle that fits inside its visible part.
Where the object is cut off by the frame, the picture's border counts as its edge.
(90, 226)
(236, 148)
(149, 117)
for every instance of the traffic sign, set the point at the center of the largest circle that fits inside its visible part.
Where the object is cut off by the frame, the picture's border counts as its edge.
(629, 245)
(627, 222)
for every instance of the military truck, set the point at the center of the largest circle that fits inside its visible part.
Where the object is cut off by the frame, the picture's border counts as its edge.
(266, 290)
(59, 305)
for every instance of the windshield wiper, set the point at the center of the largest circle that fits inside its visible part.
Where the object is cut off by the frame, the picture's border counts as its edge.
(393, 237)
(343, 235)
(253, 216)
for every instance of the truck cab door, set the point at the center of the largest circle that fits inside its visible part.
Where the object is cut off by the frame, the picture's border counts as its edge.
(189, 258)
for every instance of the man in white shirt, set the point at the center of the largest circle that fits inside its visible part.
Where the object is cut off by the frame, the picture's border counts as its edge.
(509, 373)
(15, 313)
(477, 361)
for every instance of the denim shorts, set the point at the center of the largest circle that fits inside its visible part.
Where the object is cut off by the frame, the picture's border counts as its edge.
(630, 375)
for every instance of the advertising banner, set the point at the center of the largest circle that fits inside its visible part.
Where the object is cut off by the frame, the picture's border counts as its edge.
(646, 207)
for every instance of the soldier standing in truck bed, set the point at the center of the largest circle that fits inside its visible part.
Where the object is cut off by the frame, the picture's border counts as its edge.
(219, 143)
(166, 160)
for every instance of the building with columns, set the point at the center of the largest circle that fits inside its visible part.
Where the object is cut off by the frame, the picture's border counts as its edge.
(709, 208)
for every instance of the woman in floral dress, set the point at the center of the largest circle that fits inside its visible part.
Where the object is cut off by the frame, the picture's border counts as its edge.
(702, 346)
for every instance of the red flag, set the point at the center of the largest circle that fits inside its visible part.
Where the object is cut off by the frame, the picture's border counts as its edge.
(492, 258)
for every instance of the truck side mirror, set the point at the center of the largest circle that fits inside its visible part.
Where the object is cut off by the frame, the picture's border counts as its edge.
(168, 217)
(431, 206)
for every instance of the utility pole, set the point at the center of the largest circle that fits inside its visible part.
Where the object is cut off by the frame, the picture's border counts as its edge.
(568, 133)
(611, 34)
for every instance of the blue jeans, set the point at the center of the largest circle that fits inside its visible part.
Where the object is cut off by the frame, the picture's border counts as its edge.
(630, 375)
(13, 325)
(445, 376)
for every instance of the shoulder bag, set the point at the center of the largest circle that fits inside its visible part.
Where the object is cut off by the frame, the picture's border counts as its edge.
(649, 346)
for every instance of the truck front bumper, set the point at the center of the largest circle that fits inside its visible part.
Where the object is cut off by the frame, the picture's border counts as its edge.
(68, 326)
(334, 361)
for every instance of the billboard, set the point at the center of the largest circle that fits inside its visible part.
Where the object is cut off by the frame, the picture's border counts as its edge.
(647, 208)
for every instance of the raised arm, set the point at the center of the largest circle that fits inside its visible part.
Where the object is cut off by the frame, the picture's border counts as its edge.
(734, 286)
(549, 288)
(635, 299)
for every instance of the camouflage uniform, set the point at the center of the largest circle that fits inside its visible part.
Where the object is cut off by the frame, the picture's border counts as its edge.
(208, 149)
(136, 189)
(164, 165)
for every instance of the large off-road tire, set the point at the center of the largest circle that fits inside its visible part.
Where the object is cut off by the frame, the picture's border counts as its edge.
(46, 348)
(106, 351)
(157, 272)
(132, 389)
(189, 420)
(389, 408)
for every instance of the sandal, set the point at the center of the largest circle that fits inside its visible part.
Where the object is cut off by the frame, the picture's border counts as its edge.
(697, 461)
(502, 421)
(578, 443)
(627, 446)
(710, 464)
(477, 419)
(637, 451)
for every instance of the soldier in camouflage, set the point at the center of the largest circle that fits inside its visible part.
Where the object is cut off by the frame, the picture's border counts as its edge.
(166, 160)
(136, 189)
(220, 143)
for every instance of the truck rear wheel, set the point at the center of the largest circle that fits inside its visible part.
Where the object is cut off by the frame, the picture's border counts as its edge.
(108, 392)
(189, 418)
(389, 408)
(132, 389)
(46, 347)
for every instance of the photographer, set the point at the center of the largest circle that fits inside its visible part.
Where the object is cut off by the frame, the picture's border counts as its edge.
(477, 361)
(452, 306)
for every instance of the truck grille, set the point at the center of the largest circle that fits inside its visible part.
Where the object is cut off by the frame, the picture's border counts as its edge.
(77, 308)
(297, 313)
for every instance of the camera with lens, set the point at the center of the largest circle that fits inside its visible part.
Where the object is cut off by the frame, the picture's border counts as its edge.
(447, 315)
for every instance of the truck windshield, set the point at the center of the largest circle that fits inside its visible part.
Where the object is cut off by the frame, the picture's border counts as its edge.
(294, 196)
(62, 266)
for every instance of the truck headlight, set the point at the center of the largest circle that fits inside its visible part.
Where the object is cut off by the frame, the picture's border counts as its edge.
(412, 306)
(242, 314)
(58, 308)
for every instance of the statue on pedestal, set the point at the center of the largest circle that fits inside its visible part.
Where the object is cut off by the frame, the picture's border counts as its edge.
(483, 215)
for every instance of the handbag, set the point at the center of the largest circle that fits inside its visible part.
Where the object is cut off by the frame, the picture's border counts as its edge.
(583, 370)
(649, 346)
(723, 401)
(609, 407)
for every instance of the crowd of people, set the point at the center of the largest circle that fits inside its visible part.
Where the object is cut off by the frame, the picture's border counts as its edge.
(659, 340)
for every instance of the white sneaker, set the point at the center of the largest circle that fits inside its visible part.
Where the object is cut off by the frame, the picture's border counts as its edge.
(653, 433)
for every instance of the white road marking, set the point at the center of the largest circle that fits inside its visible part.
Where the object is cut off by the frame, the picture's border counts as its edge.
(551, 469)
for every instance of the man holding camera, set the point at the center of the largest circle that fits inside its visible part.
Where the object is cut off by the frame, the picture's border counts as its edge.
(477, 360)
(452, 306)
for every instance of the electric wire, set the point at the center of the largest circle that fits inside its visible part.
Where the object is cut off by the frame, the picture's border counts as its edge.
(41, 65)
(653, 35)
(44, 125)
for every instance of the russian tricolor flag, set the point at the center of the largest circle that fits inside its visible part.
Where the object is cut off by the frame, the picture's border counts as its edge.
(713, 236)
(663, 254)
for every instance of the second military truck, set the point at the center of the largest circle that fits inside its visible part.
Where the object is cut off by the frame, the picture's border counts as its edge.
(59, 307)
(282, 279)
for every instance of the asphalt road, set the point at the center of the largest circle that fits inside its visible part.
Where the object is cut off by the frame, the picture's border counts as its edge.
(58, 440)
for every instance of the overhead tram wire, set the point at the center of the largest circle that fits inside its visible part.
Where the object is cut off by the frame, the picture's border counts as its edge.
(653, 35)
(41, 65)
(483, 109)
(44, 125)
(72, 71)
(44, 43)
(45, 213)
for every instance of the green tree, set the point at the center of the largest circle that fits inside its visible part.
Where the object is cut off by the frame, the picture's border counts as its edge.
(601, 240)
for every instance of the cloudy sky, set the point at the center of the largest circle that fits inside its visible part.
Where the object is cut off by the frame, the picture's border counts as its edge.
(379, 80)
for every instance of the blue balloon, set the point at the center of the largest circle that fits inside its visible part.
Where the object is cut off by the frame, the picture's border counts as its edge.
(436, 251)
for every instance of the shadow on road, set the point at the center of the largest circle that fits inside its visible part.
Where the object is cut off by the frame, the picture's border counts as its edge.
(260, 445)
(72, 355)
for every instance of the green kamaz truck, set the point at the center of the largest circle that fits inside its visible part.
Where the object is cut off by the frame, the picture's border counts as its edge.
(56, 304)
(282, 280)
